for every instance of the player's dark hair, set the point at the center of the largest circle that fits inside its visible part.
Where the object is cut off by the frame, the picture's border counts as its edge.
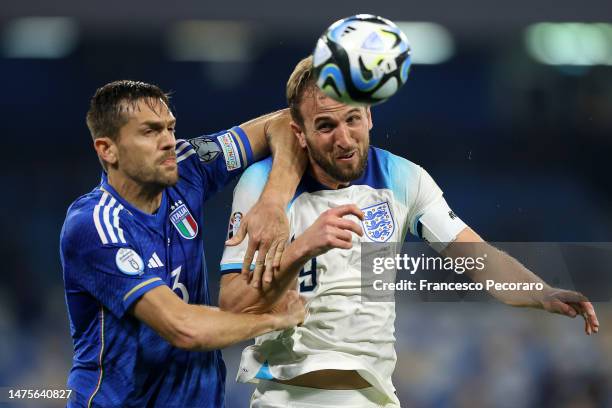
(109, 106)
(300, 80)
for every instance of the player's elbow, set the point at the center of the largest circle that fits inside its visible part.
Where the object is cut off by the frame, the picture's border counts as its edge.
(184, 334)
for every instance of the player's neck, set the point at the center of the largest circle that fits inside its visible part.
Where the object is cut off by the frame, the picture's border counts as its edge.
(322, 177)
(146, 198)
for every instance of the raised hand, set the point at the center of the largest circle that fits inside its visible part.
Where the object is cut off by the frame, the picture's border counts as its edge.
(330, 231)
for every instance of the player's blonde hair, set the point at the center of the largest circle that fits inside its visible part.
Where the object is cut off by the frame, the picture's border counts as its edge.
(300, 80)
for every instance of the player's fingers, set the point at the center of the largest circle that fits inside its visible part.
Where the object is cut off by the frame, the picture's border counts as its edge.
(349, 225)
(347, 209)
(562, 308)
(340, 243)
(256, 275)
(590, 315)
(236, 239)
(343, 235)
(269, 267)
(279, 253)
(259, 265)
(248, 258)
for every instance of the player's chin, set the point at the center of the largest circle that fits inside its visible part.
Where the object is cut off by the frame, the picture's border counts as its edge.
(169, 177)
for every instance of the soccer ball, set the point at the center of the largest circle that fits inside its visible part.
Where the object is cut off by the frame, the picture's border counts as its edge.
(361, 60)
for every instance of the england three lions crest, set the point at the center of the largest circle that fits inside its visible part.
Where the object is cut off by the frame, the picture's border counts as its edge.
(378, 223)
(183, 221)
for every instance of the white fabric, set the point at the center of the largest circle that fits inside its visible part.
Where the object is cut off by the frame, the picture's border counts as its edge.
(274, 395)
(340, 331)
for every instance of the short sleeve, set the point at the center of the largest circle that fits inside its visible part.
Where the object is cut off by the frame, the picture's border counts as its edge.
(427, 193)
(113, 272)
(210, 162)
(431, 217)
(246, 194)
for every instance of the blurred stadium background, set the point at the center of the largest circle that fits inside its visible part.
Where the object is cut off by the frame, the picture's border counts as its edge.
(508, 106)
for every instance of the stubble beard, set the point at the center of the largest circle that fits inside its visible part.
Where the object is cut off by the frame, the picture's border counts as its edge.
(341, 175)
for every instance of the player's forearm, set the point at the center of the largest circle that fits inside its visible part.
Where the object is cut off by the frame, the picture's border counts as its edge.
(238, 296)
(285, 276)
(289, 159)
(502, 268)
(206, 328)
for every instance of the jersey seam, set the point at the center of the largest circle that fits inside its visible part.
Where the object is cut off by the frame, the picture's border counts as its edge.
(90, 401)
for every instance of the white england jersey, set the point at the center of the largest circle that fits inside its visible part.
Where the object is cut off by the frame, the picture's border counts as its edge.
(341, 331)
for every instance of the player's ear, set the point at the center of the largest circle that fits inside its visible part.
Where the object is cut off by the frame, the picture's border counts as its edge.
(369, 116)
(299, 133)
(106, 149)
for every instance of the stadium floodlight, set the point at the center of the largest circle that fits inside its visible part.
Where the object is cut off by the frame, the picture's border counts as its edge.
(581, 44)
(431, 43)
(39, 37)
(210, 41)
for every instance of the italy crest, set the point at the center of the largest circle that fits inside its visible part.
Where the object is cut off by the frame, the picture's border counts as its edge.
(183, 221)
(378, 223)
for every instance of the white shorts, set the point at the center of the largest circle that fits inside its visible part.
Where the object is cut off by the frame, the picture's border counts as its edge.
(270, 394)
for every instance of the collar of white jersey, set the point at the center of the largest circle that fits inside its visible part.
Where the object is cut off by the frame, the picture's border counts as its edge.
(309, 184)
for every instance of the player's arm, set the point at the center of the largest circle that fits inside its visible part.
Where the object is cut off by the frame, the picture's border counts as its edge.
(436, 223)
(329, 231)
(266, 223)
(199, 328)
(502, 268)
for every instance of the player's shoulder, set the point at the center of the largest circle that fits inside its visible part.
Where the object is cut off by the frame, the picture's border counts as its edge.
(255, 176)
(95, 219)
(387, 161)
(388, 170)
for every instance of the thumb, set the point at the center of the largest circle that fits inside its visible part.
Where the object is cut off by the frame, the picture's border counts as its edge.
(239, 237)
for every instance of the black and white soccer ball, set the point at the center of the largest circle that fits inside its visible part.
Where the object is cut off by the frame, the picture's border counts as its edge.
(361, 60)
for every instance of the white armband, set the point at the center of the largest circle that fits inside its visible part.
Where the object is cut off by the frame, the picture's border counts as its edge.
(439, 225)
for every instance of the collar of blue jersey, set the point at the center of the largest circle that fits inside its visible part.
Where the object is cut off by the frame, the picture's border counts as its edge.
(154, 220)
(310, 184)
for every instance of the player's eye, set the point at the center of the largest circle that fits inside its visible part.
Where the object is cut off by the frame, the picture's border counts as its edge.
(325, 127)
(353, 119)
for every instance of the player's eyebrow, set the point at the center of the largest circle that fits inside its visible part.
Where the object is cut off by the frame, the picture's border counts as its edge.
(354, 110)
(322, 118)
(157, 124)
(325, 117)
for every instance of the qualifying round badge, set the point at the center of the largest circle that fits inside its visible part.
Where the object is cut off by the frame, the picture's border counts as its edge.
(234, 224)
(129, 262)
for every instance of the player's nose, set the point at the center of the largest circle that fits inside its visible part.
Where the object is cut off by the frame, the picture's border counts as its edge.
(343, 136)
(168, 141)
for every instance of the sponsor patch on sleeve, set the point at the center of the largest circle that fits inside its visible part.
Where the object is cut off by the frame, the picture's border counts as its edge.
(230, 151)
(206, 148)
(129, 262)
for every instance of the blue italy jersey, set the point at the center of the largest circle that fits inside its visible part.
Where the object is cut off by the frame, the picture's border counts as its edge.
(112, 253)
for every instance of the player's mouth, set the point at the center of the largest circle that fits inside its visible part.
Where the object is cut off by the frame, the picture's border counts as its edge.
(169, 161)
(346, 156)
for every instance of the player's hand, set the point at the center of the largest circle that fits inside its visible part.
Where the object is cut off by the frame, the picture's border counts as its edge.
(268, 229)
(572, 304)
(290, 311)
(330, 231)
